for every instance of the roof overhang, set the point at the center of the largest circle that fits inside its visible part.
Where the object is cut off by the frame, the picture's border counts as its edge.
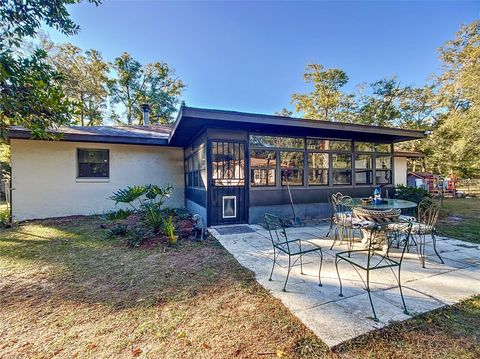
(93, 134)
(191, 121)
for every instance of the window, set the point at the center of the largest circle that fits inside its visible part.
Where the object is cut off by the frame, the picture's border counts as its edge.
(323, 144)
(372, 147)
(194, 166)
(291, 164)
(338, 145)
(317, 144)
(318, 166)
(383, 169)
(363, 169)
(275, 141)
(383, 147)
(263, 167)
(383, 162)
(364, 147)
(383, 177)
(93, 163)
(342, 169)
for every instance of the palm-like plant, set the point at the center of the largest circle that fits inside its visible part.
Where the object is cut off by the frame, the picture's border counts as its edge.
(151, 198)
(129, 195)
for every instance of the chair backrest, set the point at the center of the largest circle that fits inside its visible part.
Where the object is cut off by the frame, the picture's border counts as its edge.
(276, 229)
(384, 257)
(341, 204)
(428, 211)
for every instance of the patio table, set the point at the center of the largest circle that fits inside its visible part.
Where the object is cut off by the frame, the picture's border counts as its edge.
(390, 204)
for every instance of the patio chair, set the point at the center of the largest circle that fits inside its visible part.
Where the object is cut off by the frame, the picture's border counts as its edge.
(370, 259)
(295, 248)
(345, 222)
(331, 201)
(424, 225)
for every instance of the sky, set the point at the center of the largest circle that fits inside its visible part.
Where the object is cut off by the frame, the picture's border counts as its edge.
(251, 55)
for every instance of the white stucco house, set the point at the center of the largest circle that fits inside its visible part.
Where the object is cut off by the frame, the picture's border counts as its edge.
(227, 166)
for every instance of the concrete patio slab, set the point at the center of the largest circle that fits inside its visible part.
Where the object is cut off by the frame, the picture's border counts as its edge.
(335, 319)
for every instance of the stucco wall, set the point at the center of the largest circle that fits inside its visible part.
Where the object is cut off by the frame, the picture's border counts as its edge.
(45, 184)
(400, 175)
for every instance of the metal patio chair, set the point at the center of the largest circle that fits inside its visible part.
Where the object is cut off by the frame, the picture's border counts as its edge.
(345, 222)
(428, 211)
(292, 248)
(370, 259)
(331, 200)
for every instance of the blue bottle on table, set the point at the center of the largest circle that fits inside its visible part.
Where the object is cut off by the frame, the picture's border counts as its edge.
(377, 199)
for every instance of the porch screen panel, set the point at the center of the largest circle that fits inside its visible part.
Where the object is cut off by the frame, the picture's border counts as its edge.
(318, 168)
(263, 166)
(342, 168)
(228, 163)
(291, 163)
(363, 169)
(383, 169)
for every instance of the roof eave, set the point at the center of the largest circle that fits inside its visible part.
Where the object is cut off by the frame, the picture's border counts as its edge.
(23, 134)
(222, 117)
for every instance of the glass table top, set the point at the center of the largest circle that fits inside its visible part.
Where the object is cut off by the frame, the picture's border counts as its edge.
(389, 204)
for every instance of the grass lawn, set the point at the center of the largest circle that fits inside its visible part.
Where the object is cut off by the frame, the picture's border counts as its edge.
(460, 218)
(66, 291)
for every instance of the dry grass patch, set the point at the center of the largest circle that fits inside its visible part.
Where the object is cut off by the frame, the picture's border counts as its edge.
(66, 291)
(452, 332)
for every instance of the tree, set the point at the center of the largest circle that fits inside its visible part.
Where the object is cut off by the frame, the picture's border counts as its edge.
(30, 91)
(154, 84)
(284, 112)
(323, 102)
(84, 81)
(455, 142)
(379, 103)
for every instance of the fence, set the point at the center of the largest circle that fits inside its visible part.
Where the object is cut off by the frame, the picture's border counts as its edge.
(468, 186)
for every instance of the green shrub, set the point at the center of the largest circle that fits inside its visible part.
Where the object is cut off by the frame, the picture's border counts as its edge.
(147, 200)
(152, 216)
(118, 230)
(4, 217)
(119, 214)
(412, 194)
(136, 237)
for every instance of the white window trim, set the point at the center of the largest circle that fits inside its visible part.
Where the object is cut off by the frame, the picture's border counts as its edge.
(234, 206)
(92, 179)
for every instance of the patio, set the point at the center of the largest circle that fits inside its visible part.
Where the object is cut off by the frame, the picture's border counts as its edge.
(336, 319)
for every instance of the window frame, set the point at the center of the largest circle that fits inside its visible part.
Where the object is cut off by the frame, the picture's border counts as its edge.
(295, 168)
(191, 173)
(263, 168)
(342, 169)
(375, 153)
(80, 177)
(371, 148)
(370, 169)
(328, 169)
